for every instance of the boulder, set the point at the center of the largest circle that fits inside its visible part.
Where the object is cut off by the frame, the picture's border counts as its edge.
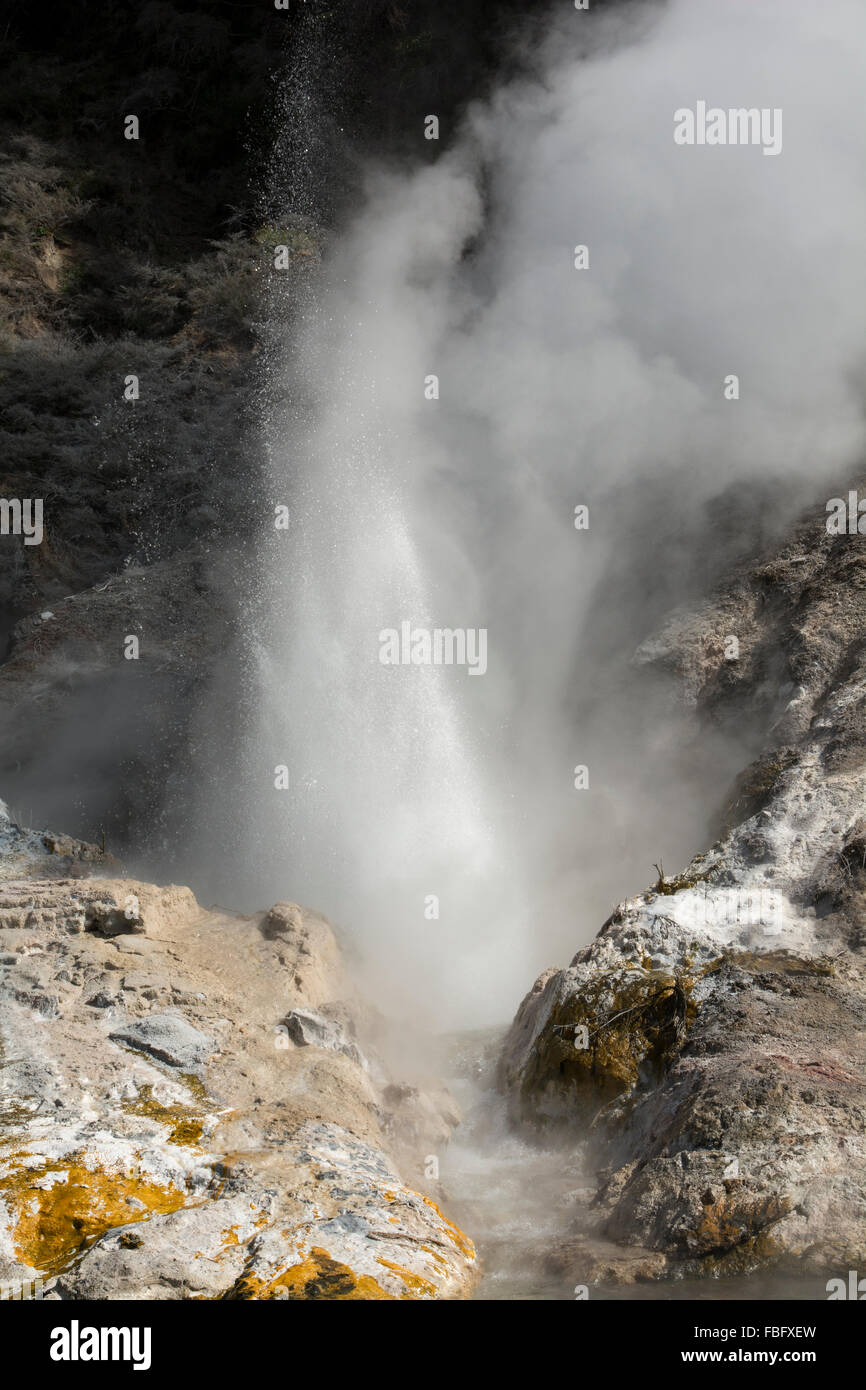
(167, 1037)
(308, 1029)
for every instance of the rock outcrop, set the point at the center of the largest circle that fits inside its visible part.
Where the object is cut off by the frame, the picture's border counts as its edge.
(40, 854)
(165, 1134)
(708, 1045)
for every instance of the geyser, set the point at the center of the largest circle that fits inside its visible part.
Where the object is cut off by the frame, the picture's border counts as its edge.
(596, 382)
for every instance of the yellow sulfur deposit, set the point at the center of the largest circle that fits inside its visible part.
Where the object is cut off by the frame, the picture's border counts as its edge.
(60, 1208)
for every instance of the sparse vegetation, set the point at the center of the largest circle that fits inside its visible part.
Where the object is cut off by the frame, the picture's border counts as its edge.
(678, 882)
(755, 787)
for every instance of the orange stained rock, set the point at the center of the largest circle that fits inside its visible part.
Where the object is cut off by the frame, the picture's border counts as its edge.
(317, 1277)
(416, 1287)
(52, 1223)
(460, 1239)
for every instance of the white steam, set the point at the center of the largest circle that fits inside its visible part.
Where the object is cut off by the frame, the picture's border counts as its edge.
(558, 387)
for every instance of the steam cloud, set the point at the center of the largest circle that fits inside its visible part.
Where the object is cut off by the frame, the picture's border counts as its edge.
(559, 387)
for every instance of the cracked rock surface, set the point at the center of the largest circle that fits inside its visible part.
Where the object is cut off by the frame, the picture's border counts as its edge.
(163, 1136)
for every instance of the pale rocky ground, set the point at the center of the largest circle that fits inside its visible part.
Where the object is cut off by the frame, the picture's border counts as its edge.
(719, 1088)
(192, 1105)
(251, 1143)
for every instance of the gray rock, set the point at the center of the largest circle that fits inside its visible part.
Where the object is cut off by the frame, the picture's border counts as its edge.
(168, 1038)
(308, 1029)
(101, 1000)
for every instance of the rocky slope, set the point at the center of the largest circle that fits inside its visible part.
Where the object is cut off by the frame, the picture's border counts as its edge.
(708, 1046)
(191, 1103)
